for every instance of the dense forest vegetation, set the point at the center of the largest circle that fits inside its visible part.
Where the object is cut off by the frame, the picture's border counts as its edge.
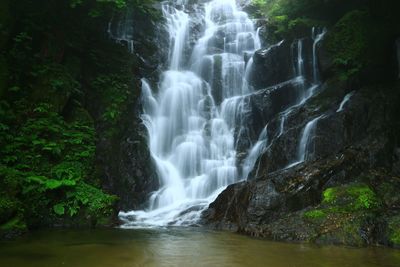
(68, 93)
(64, 84)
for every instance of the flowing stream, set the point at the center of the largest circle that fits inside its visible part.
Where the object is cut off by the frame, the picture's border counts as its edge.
(192, 119)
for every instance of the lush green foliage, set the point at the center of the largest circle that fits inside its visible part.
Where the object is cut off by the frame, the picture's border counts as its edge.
(360, 35)
(97, 7)
(349, 42)
(48, 171)
(115, 92)
(288, 16)
(47, 162)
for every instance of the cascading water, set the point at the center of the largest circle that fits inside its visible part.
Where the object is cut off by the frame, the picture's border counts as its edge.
(305, 93)
(255, 153)
(317, 37)
(191, 121)
(344, 101)
(305, 140)
(309, 129)
(299, 80)
(120, 28)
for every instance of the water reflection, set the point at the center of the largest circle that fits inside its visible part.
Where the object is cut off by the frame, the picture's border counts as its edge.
(177, 247)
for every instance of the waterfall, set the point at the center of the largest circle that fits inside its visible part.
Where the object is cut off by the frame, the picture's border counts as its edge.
(299, 80)
(306, 136)
(317, 37)
(299, 68)
(178, 29)
(255, 153)
(308, 131)
(344, 101)
(192, 119)
(121, 29)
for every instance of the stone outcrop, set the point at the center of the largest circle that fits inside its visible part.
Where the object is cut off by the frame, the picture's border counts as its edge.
(352, 150)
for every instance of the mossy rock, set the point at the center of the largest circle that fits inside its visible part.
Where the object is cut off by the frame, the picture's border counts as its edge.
(389, 192)
(349, 198)
(316, 214)
(346, 230)
(331, 93)
(13, 228)
(345, 215)
(394, 231)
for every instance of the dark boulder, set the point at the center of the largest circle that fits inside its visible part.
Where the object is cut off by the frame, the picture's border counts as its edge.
(276, 206)
(279, 63)
(265, 104)
(271, 66)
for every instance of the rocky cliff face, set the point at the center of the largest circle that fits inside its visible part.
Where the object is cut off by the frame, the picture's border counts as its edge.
(123, 156)
(335, 194)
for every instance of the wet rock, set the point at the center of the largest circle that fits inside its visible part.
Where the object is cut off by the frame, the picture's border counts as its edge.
(277, 63)
(128, 166)
(268, 206)
(325, 60)
(396, 161)
(275, 202)
(272, 66)
(267, 103)
(123, 159)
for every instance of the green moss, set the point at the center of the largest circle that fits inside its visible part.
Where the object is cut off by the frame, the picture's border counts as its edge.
(364, 197)
(343, 213)
(315, 214)
(329, 195)
(394, 230)
(350, 198)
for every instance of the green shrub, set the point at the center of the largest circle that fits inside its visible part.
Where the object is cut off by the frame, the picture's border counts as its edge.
(348, 43)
